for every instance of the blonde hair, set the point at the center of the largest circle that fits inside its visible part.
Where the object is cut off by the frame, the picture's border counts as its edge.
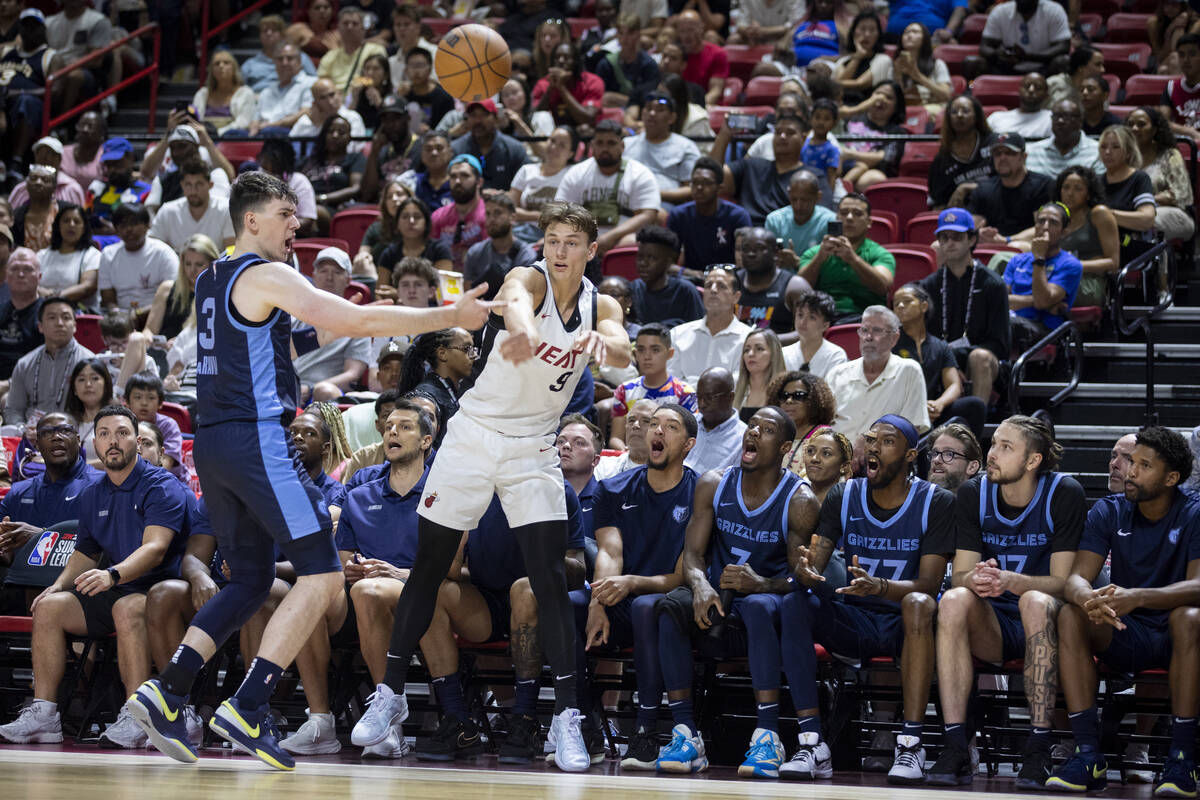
(339, 445)
(183, 292)
(211, 82)
(777, 366)
(1133, 154)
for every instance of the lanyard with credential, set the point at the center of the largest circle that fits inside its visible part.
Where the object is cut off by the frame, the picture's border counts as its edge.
(967, 315)
(37, 374)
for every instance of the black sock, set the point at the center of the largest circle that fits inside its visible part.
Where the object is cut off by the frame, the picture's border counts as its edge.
(180, 674)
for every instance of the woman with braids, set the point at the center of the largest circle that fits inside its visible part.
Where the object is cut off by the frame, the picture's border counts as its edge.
(808, 400)
(436, 364)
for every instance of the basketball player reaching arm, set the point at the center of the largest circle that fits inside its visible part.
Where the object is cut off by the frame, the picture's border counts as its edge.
(502, 442)
(256, 496)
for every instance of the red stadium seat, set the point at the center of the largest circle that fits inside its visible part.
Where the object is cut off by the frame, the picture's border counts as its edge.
(904, 196)
(441, 27)
(1146, 90)
(239, 153)
(732, 94)
(921, 227)
(1105, 8)
(972, 29)
(358, 293)
(763, 90)
(1124, 60)
(620, 261)
(997, 89)
(845, 337)
(984, 252)
(1127, 28)
(1114, 85)
(579, 26)
(179, 414)
(955, 54)
(1122, 112)
(87, 332)
(306, 251)
(913, 262)
(916, 120)
(352, 225)
(615, 114)
(1091, 24)
(917, 158)
(885, 227)
(958, 84)
(743, 59)
(16, 625)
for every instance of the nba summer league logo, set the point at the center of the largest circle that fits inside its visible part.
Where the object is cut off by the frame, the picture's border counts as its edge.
(52, 549)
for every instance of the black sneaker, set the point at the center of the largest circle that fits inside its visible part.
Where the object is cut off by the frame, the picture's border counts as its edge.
(593, 738)
(524, 741)
(953, 768)
(642, 752)
(1035, 770)
(455, 738)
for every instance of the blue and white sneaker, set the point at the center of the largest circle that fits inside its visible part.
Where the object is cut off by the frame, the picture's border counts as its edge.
(685, 753)
(252, 731)
(1085, 771)
(765, 755)
(163, 716)
(1178, 778)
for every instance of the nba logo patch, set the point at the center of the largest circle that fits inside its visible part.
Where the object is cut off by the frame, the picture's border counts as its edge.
(680, 513)
(40, 555)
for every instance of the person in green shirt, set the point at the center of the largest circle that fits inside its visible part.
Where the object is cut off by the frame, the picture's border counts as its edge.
(856, 271)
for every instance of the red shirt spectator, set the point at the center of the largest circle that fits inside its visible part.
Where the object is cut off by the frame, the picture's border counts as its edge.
(572, 95)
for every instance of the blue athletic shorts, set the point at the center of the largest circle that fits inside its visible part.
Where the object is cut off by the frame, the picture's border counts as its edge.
(856, 631)
(1012, 630)
(1141, 646)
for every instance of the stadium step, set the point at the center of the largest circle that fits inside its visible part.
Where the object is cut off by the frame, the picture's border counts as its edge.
(1105, 391)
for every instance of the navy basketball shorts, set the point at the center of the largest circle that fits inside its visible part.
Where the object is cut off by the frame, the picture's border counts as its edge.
(1012, 630)
(856, 632)
(259, 496)
(1141, 646)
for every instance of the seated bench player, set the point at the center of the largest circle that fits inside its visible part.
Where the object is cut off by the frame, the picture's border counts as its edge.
(377, 543)
(1146, 618)
(640, 516)
(490, 599)
(1018, 527)
(746, 527)
(137, 517)
(897, 533)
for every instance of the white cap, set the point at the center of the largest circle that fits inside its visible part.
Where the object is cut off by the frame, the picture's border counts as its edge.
(51, 142)
(335, 254)
(183, 133)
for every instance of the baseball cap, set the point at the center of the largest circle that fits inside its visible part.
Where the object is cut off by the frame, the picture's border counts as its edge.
(392, 349)
(955, 219)
(469, 159)
(115, 149)
(33, 13)
(392, 105)
(1013, 141)
(51, 142)
(660, 97)
(184, 133)
(487, 104)
(335, 254)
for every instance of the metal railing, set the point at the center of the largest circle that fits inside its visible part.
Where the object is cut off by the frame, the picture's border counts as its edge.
(207, 33)
(1068, 335)
(148, 71)
(1152, 259)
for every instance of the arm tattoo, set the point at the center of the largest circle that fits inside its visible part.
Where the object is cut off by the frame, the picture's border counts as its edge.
(1041, 669)
(526, 652)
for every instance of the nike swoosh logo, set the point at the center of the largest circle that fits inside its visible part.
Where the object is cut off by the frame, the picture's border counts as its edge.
(162, 705)
(856, 519)
(1097, 772)
(251, 732)
(1124, 533)
(626, 507)
(560, 677)
(69, 499)
(464, 741)
(544, 449)
(585, 509)
(726, 504)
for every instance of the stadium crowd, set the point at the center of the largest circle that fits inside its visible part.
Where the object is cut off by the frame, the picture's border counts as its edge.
(738, 239)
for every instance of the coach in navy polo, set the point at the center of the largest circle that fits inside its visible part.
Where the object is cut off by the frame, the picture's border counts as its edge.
(137, 517)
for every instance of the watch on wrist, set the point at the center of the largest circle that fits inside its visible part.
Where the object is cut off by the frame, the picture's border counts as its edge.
(115, 574)
(1039, 262)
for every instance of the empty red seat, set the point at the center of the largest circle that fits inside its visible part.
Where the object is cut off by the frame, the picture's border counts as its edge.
(239, 153)
(743, 60)
(1127, 28)
(885, 227)
(916, 120)
(1091, 24)
(972, 29)
(178, 413)
(845, 337)
(917, 159)
(1124, 60)
(1146, 90)
(913, 262)
(997, 89)
(352, 225)
(87, 332)
(904, 196)
(620, 261)
(580, 25)
(955, 54)
(763, 90)
(920, 229)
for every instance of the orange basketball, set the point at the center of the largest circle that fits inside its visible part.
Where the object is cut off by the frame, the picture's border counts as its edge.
(472, 62)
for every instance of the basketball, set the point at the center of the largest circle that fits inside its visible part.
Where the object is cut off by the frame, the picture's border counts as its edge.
(472, 62)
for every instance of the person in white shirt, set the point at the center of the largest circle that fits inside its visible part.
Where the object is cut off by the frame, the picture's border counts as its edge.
(714, 340)
(329, 368)
(74, 32)
(71, 266)
(719, 435)
(668, 155)
(281, 103)
(1030, 118)
(1068, 147)
(198, 211)
(326, 101)
(132, 269)
(1021, 36)
(185, 140)
(814, 312)
(406, 30)
(878, 383)
(620, 193)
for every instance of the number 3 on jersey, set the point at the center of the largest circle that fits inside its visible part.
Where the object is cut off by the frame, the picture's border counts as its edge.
(205, 337)
(561, 383)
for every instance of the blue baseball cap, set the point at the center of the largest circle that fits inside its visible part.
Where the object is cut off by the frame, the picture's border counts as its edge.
(468, 159)
(955, 219)
(115, 149)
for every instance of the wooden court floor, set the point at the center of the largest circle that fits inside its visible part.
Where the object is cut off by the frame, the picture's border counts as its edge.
(53, 772)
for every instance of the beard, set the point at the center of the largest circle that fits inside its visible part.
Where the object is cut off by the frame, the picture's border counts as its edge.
(462, 195)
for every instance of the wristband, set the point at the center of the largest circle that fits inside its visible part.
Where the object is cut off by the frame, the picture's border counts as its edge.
(115, 574)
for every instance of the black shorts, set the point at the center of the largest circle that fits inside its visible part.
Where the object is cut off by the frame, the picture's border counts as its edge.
(858, 632)
(97, 610)
(500, 609)
(1141, 646)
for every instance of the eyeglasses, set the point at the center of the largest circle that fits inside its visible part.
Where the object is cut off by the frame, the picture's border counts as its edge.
(57, 430)
(721, 267)
(793, 397)
(945, 456)
(471, 350)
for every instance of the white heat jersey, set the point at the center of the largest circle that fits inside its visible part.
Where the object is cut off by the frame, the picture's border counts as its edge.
(528, 399)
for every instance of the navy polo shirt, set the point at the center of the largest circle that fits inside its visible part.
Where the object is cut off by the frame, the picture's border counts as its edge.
(113, 519)
(378, 523)
(493, 555)
(43, 503)
(587, 501)
(377, 471)
(333, 492)
(652, 524)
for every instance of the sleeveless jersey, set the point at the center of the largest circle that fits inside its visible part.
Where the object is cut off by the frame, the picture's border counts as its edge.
(885, 548)
(1022, 544)
(1184, 101)
(758, 537)
(768, 308)
(528, 399)
(243, 369)
(23, 73)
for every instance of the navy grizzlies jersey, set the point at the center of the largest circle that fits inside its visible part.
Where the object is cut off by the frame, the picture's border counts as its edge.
(757, 538)
(652, 525)
(892, 548)
(243, 369)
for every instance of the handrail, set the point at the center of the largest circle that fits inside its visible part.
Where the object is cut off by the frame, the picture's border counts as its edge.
(150, 70)
(1067, 330)
(1148, 260)
(207, 33)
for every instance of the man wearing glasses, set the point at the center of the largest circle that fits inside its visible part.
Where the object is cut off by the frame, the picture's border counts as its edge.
(955, 457)
(1067, 147)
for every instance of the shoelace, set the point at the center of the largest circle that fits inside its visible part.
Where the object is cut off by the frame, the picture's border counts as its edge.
(805, 753)
(761, 750)
(907, 758)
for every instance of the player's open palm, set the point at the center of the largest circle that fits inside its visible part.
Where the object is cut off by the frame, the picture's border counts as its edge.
(805, 557)
(862, 583)
(471, 312)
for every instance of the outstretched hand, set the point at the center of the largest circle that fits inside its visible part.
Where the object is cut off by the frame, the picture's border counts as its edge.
(471, 312)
